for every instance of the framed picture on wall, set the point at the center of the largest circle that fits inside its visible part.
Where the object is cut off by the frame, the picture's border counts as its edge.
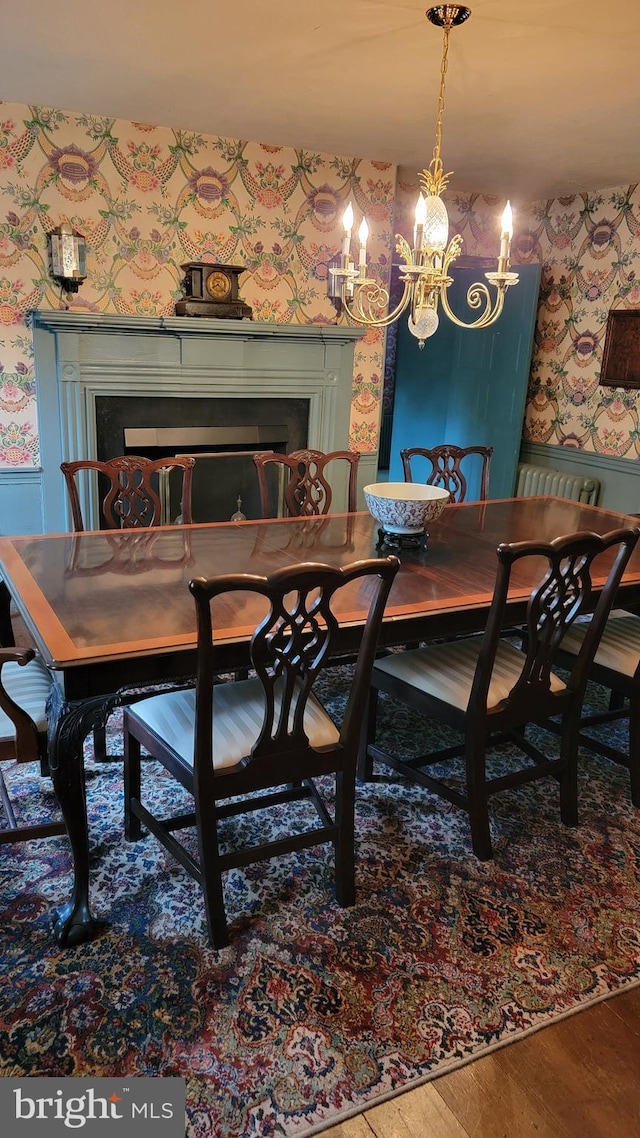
(621, 360)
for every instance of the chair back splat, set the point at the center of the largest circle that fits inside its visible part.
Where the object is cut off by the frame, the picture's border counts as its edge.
(307, 490)
(130, 497)
(484, 686)
(240, 739)
(446, 468)
(564, 593)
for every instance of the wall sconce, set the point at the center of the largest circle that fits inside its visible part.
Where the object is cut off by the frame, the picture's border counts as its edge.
(67, 249)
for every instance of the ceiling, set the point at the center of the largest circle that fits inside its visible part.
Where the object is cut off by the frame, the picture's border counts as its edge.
(543, 96)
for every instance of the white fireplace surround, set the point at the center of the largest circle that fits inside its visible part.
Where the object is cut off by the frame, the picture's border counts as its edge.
(80, 356)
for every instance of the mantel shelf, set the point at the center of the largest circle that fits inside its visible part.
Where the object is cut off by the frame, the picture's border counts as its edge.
(188, 326)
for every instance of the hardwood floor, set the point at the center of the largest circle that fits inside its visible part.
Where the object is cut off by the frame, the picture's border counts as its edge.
(579, 1078)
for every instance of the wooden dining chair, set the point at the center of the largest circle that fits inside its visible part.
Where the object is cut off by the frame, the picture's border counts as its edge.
(484, 685)
(240, 739)
(130, 500)
(129, 494)
(616, 666)
(444, 468)
(307, 490)
(25, 684)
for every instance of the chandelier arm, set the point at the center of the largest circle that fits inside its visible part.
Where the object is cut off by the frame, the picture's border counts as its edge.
(376, 322)
(476, 294)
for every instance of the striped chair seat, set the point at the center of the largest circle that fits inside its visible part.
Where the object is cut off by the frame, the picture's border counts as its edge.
(29, 686)
(619, 647)
(237, 720)
(446, 671)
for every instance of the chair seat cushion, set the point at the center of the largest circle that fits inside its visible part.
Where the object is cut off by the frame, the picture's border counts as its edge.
(238, 715)
(446, 671)
(29, 686)
(619, 647)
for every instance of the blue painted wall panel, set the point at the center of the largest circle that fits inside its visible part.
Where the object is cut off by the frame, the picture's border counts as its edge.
(468, 387)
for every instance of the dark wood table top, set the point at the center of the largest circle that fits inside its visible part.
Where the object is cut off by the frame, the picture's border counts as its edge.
(110, 595)
(111, 611)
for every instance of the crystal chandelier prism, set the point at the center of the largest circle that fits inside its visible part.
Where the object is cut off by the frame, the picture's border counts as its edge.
(424, 271)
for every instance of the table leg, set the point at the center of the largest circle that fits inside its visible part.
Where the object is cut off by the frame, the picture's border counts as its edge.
(69, 724)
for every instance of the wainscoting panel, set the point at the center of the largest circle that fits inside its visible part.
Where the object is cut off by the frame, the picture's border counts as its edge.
(619, 477)
(21, 502)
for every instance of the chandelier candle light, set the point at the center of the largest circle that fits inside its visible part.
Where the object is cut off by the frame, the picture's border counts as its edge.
(425, 269)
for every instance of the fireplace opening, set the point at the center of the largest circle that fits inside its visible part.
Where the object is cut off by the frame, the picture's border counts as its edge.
(224, 476)
(222, 434)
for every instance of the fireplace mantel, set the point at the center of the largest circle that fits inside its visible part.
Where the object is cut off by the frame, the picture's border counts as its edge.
(81, 356)
(189, 327)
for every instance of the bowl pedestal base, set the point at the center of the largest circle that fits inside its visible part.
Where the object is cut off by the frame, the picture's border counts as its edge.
(388, 540)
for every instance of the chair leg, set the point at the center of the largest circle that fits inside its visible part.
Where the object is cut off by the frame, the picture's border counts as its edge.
(478, 800)
(345, 843)
(132, 825)
(7, 808)
(634, 750)
(212, 879)
(23, 833)
(367, 736)
(569, 777)
(616, 701)
(100, 744)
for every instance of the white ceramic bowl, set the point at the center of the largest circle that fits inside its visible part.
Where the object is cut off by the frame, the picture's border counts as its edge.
(405, 507)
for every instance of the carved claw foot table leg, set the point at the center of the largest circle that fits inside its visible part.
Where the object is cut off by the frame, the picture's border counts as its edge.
(69, 724)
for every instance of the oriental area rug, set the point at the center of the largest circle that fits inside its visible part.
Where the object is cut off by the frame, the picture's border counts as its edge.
(315, 1013)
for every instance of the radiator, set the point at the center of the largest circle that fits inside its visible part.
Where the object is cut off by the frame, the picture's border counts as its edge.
(540, 480)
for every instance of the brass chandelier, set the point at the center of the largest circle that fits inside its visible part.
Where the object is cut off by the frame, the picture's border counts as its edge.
(424, 272)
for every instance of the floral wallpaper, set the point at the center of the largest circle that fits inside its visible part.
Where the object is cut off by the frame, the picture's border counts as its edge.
(588, 245)
(147, 199)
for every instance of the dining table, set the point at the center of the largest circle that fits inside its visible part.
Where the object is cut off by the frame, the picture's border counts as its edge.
(111, 615)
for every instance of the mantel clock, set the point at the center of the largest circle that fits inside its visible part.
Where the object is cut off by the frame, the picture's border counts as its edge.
(212, 290)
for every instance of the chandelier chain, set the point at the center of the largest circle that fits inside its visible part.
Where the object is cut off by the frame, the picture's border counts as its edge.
(436, 162)
(434, 180)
